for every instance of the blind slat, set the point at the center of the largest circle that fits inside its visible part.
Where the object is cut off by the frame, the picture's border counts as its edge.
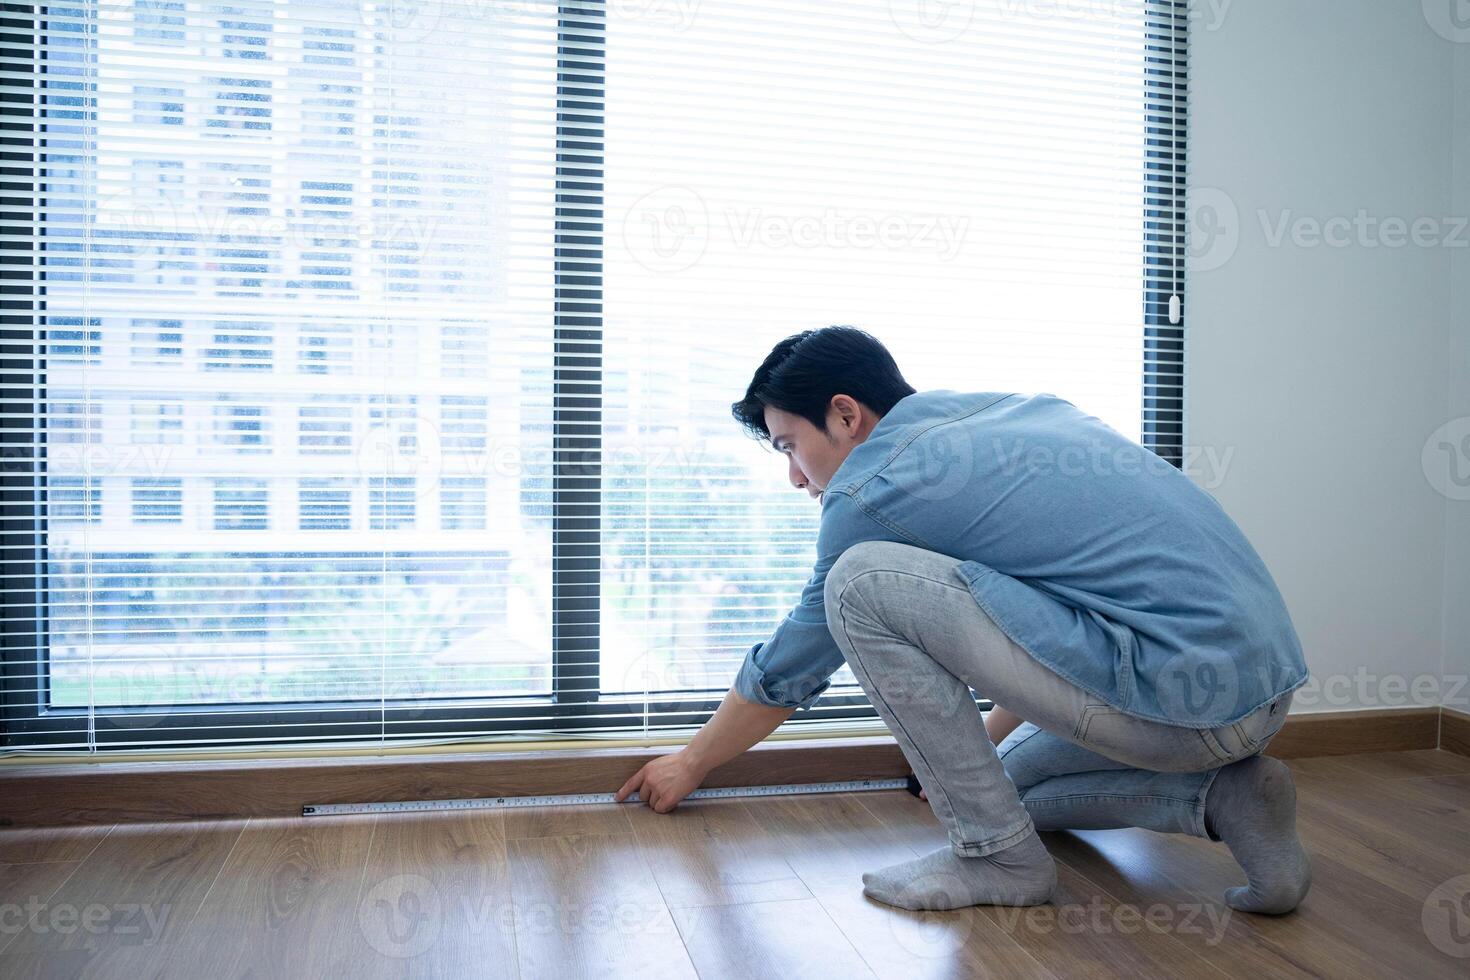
(372, 376)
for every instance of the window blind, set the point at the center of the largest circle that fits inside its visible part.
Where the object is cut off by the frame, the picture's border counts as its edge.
(369, 364)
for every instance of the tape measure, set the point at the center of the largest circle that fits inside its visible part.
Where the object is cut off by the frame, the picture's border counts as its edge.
(578, 799)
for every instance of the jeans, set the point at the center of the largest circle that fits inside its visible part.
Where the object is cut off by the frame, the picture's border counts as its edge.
(918, 642)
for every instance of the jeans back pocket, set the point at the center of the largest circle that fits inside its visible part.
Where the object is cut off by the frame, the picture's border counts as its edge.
(1261, 725)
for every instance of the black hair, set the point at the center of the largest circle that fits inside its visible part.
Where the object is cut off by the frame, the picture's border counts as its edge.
(803, 372)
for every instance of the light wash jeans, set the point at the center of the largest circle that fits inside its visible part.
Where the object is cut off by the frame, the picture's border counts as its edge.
(918, 642)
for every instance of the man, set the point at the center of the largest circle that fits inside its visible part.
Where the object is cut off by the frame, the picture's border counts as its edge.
(1017, 546)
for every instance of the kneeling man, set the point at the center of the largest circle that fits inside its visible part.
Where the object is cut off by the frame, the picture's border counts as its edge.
(1139, 655)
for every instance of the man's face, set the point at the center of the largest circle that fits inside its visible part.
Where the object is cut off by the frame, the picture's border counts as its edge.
(813, 456)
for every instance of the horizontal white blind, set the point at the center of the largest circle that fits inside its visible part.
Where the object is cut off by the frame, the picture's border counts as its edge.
(965, 181)
(372, 374)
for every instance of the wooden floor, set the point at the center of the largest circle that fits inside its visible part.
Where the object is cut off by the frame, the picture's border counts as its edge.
(733, 888)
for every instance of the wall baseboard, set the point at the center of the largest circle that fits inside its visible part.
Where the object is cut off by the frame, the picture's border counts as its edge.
(102, 792)
(1454, 731)
(126, 792)
(1349, 732)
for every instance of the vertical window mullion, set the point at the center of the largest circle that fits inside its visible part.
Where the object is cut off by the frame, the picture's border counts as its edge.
(577, 389)
(23, 669)
(1166, 87)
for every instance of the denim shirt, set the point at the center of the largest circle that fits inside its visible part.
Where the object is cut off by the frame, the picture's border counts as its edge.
(1096, 556)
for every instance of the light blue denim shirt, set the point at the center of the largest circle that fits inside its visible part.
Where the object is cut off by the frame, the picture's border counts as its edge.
(1094, 554)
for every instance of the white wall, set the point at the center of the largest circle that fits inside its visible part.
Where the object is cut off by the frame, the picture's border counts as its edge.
(1457, 537)
(1323, 370)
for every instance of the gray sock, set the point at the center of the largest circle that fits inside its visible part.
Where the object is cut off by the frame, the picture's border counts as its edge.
(1251, 806)
(1022, 874)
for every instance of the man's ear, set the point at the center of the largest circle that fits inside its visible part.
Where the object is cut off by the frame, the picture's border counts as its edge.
(849, 412)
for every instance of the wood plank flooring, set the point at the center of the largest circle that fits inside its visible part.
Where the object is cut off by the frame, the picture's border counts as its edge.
(743, 889)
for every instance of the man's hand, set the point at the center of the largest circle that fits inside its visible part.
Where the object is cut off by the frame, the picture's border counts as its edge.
(663, 782)
(735, 727)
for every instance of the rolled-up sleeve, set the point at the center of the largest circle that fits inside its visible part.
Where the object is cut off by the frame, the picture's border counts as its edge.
(794, 666)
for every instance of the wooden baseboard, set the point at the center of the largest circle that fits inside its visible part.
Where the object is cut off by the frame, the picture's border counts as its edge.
(125, 792)
(91, 793)
(1454, 731)
(1348, 732)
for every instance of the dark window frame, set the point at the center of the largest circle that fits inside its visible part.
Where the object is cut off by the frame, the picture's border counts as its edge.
(575, 704)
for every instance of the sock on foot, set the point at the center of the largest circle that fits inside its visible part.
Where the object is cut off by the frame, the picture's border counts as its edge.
(1022, 874)
(1251, 806)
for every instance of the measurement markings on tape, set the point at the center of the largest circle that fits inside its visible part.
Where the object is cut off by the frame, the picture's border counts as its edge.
(575, 799)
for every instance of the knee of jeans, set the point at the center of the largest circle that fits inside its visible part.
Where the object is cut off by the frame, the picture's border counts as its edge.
(861, 557)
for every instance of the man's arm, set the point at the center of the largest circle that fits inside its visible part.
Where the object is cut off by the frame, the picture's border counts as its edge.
(787, 672)
(736, 726)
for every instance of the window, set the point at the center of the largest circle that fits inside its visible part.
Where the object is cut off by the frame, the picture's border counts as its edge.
(75, 501)
(74, 418)
(326, 504)
(158, 501)
(154, 105)
(241, 428)
(325, 425)
(408, 342)
(158, 22)
(155, 418)
(464, 503)
(391, 503)
(157, 342)
(241, 505)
